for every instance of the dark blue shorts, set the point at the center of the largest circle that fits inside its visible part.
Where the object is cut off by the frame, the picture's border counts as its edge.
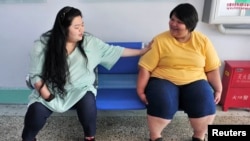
(165, 98)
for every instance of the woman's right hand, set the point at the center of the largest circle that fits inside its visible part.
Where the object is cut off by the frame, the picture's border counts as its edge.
(143, 98)
(142, 81)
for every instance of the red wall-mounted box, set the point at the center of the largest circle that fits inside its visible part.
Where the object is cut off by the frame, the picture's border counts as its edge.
(236, 84)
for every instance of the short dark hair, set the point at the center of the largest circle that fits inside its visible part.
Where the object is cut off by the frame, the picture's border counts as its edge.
(187, 14)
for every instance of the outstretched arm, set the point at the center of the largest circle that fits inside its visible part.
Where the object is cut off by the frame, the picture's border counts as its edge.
(136, 52)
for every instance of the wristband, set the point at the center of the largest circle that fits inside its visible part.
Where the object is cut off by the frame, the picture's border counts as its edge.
(51, 96)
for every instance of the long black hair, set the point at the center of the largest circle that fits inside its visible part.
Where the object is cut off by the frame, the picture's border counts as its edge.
(55, 69)
(187, 14)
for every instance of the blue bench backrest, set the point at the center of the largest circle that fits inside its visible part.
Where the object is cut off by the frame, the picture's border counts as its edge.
(125, 65)
(117, 87)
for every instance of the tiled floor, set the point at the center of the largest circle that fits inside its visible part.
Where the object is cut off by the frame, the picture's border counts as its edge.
(111, 125)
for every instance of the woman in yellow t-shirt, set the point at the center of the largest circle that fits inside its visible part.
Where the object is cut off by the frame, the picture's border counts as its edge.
(181, 71)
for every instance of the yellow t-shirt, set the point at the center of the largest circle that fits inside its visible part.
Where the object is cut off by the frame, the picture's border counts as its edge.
(180, 63)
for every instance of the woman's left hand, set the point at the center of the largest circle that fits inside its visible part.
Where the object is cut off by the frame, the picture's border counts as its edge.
(217, 97)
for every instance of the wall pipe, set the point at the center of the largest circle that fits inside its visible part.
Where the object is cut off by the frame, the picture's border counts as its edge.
(226, 30)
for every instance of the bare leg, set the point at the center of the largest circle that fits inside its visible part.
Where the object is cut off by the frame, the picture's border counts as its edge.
(156, 126)
(200, 125)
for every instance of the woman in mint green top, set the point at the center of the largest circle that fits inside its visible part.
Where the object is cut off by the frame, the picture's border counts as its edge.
(62, 72)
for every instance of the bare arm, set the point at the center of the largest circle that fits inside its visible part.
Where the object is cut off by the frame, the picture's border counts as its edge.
(215, 80)
(136, 52)
(142, 81)
(44, 92)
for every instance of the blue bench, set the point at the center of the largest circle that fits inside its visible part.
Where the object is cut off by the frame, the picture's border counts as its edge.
(117, 87)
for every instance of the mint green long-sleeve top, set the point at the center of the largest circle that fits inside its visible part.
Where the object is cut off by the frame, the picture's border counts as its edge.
(81, 77)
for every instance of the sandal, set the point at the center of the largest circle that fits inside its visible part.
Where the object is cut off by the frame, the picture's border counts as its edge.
(33, 140)
(93, 139)
(197, 139)
(158, 139)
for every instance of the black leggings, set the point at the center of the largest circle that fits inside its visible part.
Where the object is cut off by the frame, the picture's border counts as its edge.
(37, 115)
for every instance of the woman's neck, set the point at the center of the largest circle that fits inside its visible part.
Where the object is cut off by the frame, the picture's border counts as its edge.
(184, 38)
(70, 47)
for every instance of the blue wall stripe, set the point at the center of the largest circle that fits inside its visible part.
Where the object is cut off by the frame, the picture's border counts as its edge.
(14, 96)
